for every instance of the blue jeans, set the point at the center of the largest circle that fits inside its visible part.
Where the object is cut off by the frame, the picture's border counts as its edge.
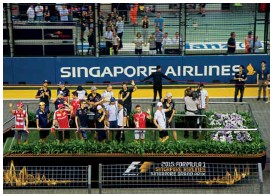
(84, 133)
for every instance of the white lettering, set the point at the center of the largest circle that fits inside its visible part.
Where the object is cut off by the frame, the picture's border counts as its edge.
(133, 71)
(65, 72)
(152, 69)
(225, 70)
(73, 72)
(118, 70)
(170, 70)
(205, 70)
(106, 71)
(235, 68)
(141, 70)
(187, 69)
(96, 74)
(214, 67)
(197, 71)
(85, 72)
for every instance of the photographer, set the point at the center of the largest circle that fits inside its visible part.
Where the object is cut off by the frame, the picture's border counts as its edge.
(191, 101)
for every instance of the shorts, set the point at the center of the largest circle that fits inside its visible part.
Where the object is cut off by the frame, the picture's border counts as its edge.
(43, 134)
(101, 135)
(21, 135)
(129, 108)
(66, 134)
(139, 134)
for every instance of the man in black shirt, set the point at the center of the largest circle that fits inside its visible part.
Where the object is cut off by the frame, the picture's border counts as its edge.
(126, 95)
(100, 123)
(231, 43)
(65, 90)
(240, 78)
(157, 82)
(81, 120)
(44, 93)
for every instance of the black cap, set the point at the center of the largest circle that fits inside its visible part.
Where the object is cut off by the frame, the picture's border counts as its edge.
(45, 81)
(249, 33)
(79, 88)
(120, 102)
(158, 67)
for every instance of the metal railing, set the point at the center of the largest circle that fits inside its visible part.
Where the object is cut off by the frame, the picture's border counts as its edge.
(180, 177)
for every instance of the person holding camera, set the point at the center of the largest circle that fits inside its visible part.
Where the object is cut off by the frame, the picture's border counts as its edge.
(192, 104)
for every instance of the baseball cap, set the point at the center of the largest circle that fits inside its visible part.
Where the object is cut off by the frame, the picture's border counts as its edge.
(42, 103)
(61, 83)
(93, 88)
(20, 104)
(45, 81)
(169, 95)
(112, 99)
(249, 33)
(79, 88)
(61, 105)
(159, 104)
(98, 107)
(120, 102)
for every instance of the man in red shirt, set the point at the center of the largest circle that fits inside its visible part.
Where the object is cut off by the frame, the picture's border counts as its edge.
(61, 117)
(20, 117)
(140, 122)
(75, 103)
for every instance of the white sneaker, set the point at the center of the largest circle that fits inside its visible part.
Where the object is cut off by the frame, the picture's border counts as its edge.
(267, 102)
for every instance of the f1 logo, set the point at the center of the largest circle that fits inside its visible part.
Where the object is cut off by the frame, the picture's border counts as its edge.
(131, 167)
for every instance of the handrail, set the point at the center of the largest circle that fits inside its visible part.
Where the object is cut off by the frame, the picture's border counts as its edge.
(147, 129)
(6, 122)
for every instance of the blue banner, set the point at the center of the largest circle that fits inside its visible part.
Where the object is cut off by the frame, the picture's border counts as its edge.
(79, 70)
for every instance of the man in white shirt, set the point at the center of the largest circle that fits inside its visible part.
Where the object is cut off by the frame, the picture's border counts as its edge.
(107, 95)
(30, 13)
(111, 113)
(120, 29)
(64, 14)
(203, 98)
(108, 38)
(160, 122)
(166, 40)
(39, 12)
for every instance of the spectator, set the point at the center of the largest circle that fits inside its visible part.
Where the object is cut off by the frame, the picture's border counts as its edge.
(157, 82)
(75, 103)
(81, 93)
(100, 123)
(81, 121)
(145, 28)
(55, 15)
(111, 115)
(47, 14)
(61, 118)
(21, 123)
(263, 76)
(120, 29)
(191, 109)
(108, 38)
(121, 121)
(100, 24)
(59, 100)
(140, 123)
(83, 21)
(160, 122)
(107, 95)
(133, 14)
(42, 121)
(202, 9)
(203, 98)
(65, 90)
(126, 95)
(247, 42)
(231, 43)
(166, 40)
(90, 11)
(168, 102)
(91, 24)
(115, 42)
(44, 94)
(159, 39)
(39, 12)
(152, 45)
(138, 43)
(30, 13)
(64, 14)
(159, 22)
(91, 41)
(177, 40)
(94, 99)
(240, 78)
(255, 46)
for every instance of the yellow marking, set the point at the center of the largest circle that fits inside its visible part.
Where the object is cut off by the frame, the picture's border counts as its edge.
(250, 70)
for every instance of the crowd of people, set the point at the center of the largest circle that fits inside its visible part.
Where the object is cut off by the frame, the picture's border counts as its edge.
(82, 111)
